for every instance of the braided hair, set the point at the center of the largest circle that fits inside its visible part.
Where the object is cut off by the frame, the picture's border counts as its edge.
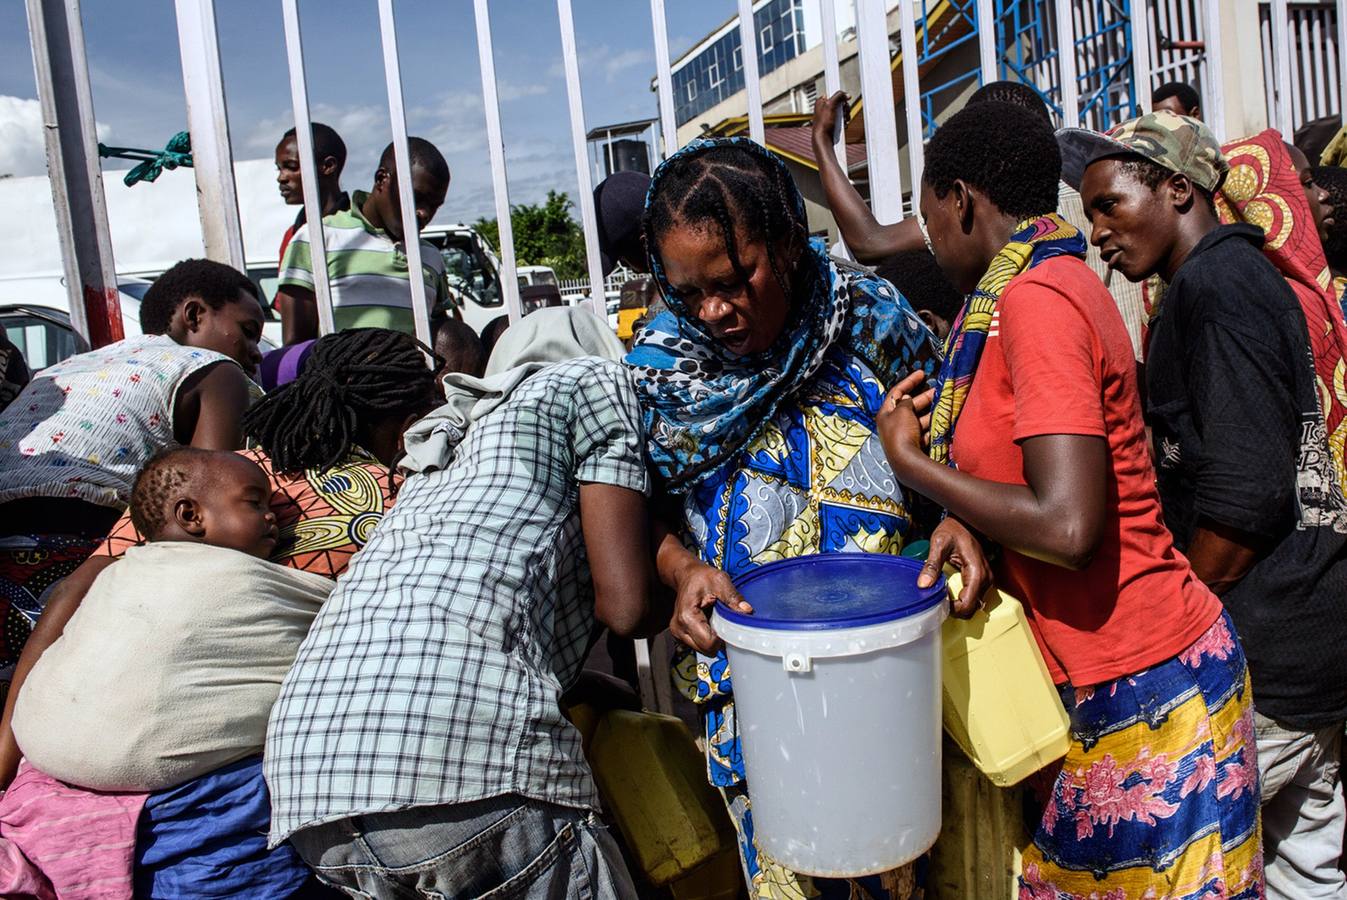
(741, 190)
(352, 381)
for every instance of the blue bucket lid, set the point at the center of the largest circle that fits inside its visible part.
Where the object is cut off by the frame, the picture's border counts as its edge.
(832, 590)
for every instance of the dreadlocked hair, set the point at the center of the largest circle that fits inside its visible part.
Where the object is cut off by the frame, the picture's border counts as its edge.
(744, 193)
(352, 380)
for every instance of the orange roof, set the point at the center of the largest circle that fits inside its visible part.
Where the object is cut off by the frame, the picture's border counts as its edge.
(789, 135)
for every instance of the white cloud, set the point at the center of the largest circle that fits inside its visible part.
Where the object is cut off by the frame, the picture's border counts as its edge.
(21, 144)
(618, 63)
(508, 92)
(612, 62)
(361, 127)
(23, 149)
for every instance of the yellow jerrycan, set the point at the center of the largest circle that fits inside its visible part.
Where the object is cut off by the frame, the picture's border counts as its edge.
(1000, 705)
(653, 780)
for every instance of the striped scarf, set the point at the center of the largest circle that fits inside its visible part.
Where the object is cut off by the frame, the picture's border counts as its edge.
(1034, 241)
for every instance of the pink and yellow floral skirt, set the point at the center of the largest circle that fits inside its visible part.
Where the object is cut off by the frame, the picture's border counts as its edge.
(1158, 795)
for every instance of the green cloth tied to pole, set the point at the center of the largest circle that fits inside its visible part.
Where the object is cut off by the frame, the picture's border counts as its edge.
(177, 152)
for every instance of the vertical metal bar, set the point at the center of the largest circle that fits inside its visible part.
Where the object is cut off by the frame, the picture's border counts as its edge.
(1299, 103)
(1066, 63)
(832, 73)
(1281, 64)
(313, 201)
(664, 79)
(1141, 54)
(1265, 46)
(1332, 47)
(1316, 70)
(748, 39)
(881, 124)
(916, 134)
(1322, 63)
(597, 295)
(1342, 60)
(1213, 109)
(986, 10)
(62, 74)
(411, 231)
(208, 121)
(486, 59)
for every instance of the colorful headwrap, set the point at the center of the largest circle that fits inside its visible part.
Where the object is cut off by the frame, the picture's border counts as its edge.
(1034, 241)
(702, 404)
(1264, 189)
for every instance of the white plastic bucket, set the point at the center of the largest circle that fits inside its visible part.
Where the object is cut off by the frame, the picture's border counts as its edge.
(836, 680)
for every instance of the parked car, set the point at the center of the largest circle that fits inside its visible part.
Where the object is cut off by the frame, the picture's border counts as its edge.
(530, 276)
(35, 313)
(472, 269)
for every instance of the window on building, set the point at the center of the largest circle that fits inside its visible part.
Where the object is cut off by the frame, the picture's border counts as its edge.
(692, 89)
(713, 74)
(765, 39)
(808, 94)
(738, 58)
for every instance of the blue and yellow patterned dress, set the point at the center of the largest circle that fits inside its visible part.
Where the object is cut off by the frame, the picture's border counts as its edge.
(814, 481)
(774, 456)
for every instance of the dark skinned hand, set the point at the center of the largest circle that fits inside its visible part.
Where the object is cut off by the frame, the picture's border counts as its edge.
(954, 545)
(826, 110)
(904, 420)
(699, 586)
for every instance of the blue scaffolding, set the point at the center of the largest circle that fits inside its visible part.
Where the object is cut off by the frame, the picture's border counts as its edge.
(1026, 51)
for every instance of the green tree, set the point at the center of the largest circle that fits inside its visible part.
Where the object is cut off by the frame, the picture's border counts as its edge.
(545, 234)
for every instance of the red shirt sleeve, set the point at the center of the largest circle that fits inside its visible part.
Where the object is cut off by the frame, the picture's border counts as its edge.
(1054, 360)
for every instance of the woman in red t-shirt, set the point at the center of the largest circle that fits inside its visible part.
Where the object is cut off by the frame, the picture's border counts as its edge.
(1037, 442)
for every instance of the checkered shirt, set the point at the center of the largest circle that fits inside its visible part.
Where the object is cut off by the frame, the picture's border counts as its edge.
(431, 675)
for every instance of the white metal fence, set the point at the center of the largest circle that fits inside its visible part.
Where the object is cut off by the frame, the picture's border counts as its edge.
(1168, 39)
(1313, 35)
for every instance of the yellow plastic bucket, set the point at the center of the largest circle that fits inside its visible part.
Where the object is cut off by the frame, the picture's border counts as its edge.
(1000, 705)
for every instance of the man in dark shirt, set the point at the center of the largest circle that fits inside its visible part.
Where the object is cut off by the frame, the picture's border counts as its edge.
(1243, 464)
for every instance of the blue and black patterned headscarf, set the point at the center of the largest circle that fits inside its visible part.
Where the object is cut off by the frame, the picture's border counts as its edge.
(702, 404)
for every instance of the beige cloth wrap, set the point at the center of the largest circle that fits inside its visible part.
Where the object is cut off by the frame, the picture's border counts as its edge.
(169, 668)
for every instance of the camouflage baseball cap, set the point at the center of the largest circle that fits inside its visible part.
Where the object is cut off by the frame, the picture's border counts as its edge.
(1180, 143)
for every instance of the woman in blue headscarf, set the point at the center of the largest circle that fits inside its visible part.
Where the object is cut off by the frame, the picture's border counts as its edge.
(759, 388)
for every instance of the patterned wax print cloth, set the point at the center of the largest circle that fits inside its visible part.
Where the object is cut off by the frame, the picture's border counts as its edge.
(1264, 189)
(1034, 241)
(85, 427)
(776, 457)
(1158, 795)
(702, 405)
(30, 567)
(324, 515)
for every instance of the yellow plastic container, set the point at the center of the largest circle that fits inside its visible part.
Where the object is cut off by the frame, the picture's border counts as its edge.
(653, 780)
(1000, 705)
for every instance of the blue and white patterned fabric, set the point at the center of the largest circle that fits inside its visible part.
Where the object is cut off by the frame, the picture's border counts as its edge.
(776, 456)
(702, 404)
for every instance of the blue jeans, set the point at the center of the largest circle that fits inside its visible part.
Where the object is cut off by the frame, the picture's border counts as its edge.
(502, 848)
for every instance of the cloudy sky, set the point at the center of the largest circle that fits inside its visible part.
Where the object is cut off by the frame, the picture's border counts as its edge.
(138, 99)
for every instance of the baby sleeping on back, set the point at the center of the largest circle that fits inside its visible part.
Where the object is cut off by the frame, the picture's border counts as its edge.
(170, 666)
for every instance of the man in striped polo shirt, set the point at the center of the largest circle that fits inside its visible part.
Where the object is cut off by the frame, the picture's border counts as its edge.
(366, 254)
